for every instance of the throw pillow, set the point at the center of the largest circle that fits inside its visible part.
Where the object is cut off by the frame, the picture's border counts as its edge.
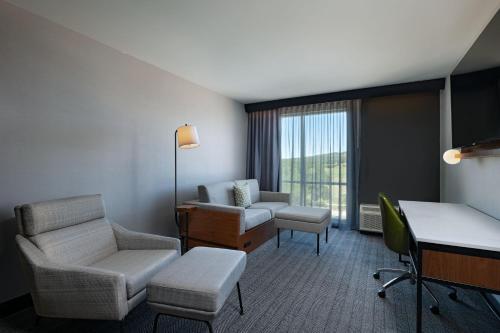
(242, 195)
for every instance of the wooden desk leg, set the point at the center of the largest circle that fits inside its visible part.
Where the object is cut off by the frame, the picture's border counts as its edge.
(419, 290)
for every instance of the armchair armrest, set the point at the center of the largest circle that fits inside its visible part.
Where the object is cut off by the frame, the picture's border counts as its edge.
(68, 291)
(267, 196)
(226, 209)
(131, 240)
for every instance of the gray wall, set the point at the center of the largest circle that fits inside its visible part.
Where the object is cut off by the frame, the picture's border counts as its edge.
(79, 117)
(476, 181)
(400, 147)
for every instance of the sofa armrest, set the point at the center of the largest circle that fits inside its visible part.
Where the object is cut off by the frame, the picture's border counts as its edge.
(68, 291)
(267, 196)
(226, 209)
(131, 240)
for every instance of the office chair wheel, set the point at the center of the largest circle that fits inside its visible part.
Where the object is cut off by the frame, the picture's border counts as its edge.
(412, 281)
(381, 293)
(452, 295)
(434, 309)
(376, 275)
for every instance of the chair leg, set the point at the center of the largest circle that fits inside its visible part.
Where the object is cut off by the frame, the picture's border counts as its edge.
(239, 297)
(392, 270)
(210, 328)
(431, 293)
(291, 233)
(317, 244)
(278, 234)
(405, 262)
(453, 293)
(326, 235)
(155, 326)
(398, 279)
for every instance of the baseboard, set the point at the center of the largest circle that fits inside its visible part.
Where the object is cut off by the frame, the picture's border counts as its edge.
(15, 305)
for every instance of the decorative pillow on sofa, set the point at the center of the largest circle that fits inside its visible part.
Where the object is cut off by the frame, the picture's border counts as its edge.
(242, 195)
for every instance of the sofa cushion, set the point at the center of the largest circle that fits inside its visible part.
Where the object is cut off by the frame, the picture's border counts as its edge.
(253, 184)
(273, 207)
(304, 214)
(138, 266)
(218, 193)
(81, 244)
(202, 279)
(254, 217)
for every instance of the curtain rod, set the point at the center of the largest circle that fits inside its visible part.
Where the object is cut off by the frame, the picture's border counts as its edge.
(388, 90)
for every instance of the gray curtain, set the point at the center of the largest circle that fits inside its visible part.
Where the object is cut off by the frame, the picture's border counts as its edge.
(312, 152)
(263, 149)
(353, 162)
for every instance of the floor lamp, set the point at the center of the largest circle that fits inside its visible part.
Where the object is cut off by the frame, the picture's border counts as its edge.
(186, 137)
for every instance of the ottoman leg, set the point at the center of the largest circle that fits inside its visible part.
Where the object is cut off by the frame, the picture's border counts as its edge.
(317, 244)
(278, 234)
(239, 297)
(291, 233)
(326, 234)
(210, 328)
(155, 326)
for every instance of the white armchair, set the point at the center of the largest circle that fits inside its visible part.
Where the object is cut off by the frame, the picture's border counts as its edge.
(82, 266)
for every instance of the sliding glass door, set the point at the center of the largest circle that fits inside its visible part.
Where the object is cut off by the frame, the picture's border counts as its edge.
(314, 156)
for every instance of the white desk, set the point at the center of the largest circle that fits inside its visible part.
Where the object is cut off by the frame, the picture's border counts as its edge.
(452, 224)
(452, 244)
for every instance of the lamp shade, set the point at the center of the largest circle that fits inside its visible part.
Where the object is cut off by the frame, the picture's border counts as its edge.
(452, 156)
(187, 137)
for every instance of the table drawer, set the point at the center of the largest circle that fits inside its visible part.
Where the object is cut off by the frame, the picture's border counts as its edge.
(459, 268)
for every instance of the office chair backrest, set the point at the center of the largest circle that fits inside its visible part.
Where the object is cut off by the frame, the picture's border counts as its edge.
(395, 230)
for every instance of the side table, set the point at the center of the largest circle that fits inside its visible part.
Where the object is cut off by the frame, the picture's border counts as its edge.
(184, 211)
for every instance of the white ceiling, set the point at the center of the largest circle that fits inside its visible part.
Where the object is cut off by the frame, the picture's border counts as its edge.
(261, 50)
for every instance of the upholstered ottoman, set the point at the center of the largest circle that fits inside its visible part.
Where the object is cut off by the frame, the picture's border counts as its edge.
(196, 285)
(307, 219)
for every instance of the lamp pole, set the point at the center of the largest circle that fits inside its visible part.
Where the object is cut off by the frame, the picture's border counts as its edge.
(175, 179)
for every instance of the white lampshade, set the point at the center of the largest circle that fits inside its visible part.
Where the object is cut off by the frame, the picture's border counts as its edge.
(187, 137)
(452, 156)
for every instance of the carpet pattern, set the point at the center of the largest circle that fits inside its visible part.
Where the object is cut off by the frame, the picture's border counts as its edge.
(290, 289)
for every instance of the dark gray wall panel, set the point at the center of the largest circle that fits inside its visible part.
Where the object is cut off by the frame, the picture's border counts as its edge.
(400, 147)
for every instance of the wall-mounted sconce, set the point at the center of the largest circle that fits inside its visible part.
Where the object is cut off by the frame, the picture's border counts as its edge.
(452, 156)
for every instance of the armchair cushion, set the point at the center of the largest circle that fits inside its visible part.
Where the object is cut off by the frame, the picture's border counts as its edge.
(273, 207)
(138, 266)
(81, 244)
(56, 214)
(254, 217)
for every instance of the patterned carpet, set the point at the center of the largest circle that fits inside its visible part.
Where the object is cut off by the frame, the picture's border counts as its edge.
(292, 290)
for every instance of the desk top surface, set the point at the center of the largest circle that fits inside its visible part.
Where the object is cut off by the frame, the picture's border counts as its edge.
(452, 224)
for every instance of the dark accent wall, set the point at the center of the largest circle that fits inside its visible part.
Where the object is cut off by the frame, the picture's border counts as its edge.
(400, 147)
(78, 117)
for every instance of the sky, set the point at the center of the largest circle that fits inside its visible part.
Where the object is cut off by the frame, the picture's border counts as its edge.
(324, 133)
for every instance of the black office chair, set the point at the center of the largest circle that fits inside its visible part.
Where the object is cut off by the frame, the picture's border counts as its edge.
(396, 238)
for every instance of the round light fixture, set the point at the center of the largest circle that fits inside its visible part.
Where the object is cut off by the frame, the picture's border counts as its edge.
(452, 156)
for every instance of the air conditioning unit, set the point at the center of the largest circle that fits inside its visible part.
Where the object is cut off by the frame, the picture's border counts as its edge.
(370, 218)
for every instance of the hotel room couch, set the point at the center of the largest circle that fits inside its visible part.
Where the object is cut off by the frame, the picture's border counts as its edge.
(217, 221)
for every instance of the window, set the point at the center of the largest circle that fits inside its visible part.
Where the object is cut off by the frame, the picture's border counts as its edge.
(314, 157)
